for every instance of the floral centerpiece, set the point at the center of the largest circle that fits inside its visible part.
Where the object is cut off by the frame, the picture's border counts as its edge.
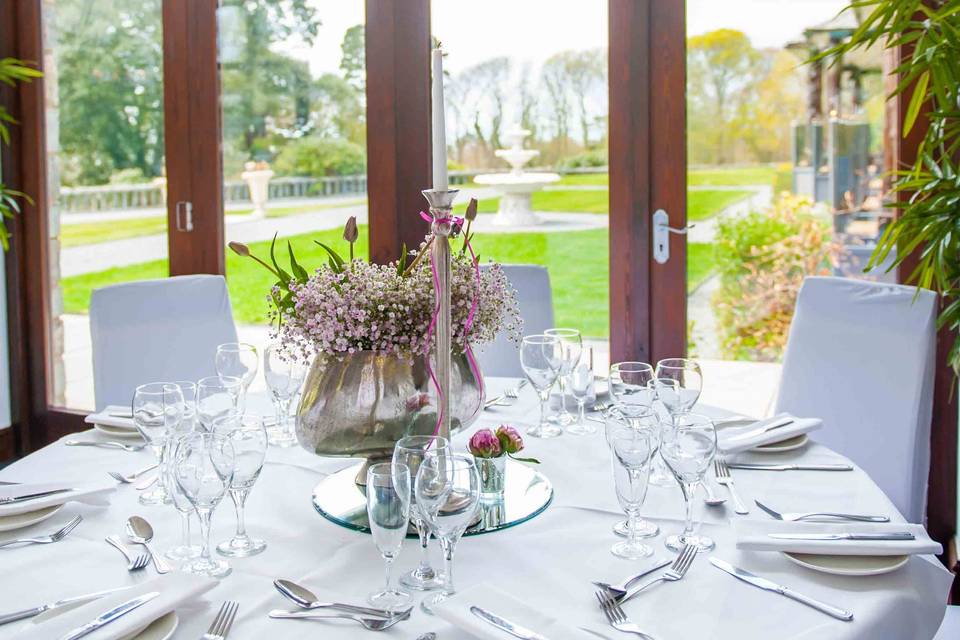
(491, 449)
(367, 329)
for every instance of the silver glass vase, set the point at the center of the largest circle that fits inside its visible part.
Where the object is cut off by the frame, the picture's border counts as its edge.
(359, 405)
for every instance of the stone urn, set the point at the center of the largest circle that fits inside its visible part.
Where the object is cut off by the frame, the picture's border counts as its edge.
(258, 183)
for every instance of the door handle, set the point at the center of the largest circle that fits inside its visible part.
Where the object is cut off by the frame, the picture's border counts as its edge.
(661, 235)
(184, 215)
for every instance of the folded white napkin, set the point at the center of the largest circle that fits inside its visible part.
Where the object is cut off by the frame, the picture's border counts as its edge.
(175, 589)
(755, 535)
(107, 419)
(80, 492)
(738, 438)
(456, 611)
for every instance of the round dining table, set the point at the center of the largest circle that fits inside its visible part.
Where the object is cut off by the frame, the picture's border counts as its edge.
(547, 562)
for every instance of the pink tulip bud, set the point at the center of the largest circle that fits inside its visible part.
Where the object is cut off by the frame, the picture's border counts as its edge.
(510, 440)
(484, 444)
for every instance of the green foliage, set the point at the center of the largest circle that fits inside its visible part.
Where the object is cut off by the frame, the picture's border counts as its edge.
(783, 179)
(929, 224)
(12, 71)
(353, 58)
(314, 156)
(585, 160)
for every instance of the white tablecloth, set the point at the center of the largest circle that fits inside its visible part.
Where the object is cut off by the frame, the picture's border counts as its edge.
(547, 562)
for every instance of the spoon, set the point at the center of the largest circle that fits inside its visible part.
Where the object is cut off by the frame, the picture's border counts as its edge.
(429, 635)
(371, 624)
(711, 499)
(140, 532)
(304, 598)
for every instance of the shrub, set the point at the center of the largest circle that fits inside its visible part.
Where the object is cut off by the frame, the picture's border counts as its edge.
(782, 179)
(762, 259)
(316, 157)
(585, 160)
(133, 175)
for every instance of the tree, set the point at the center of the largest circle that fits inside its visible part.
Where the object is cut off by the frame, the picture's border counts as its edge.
(353, 61)
(775, 100)
(586, 74)
(554, 78)
(476, 105)
(337, 110)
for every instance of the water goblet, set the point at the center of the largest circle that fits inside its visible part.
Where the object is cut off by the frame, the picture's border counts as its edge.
(189, 390)
(688, 448)
(648, 422)
(284, 375)
(388, 510)
(667, 391)
(246, 433)
(448, 494)
(156, 408)
(203, 470)
(410, 451)
(541, 359)
(581, 382)
(185, 550)
(238, 360)
(628, 383)
(689, 382)
(571, 344)
(632, 451)
(217, 396)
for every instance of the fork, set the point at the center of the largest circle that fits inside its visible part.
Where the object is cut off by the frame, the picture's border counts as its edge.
(127, 479)
(617, 618)
(220, 626)
(56, 536)
(134, 562)
(722, 472)
(512, 393)
(676, 571)
(109, 444)
(601, 406)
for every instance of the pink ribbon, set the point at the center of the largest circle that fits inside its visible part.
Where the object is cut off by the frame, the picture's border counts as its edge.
(436, 314)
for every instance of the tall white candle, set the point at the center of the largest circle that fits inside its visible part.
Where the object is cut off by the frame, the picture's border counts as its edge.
(439, 125)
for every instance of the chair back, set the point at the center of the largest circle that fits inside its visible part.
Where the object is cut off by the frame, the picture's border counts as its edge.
(861, 356)
(156, 330)
(532, 282)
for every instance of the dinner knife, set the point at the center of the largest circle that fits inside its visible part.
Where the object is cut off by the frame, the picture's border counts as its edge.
(750, 432)
(768, 585)
(898, 535)
(790, 467)
(505, 625)
(32, 496)
(109, 616)
(35, 611)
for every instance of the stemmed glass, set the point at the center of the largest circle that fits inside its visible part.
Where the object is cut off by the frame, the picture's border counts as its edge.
(217, 396)
(628, 383)
(632, 452)
(581, 381)
(249, 439)
(689, 383)
(571, 346)
(667, 391)
(541, 359)
(645, 421)
(238, 360)
(688, 449)
(189, 390)
(448, 494)
(156, 408)
(203, 469)
(410, 451)
(284, 376)
(388, 510)
(185, 550)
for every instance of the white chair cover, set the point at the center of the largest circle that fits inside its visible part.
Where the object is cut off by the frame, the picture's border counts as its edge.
(861, 356)
(950, 627)
(156, 330)
(532, 282)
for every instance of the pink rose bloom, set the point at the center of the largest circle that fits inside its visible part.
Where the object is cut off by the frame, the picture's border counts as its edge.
(510, 440)
(484, 444)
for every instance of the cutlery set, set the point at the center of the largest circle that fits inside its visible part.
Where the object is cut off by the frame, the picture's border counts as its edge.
(313, 609)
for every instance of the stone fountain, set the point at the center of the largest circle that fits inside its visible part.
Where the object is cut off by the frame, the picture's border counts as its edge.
(518, 185)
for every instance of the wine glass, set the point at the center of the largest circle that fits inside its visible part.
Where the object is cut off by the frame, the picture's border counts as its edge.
(689, 382)
(410, 451)
(189, 390)
(388, 510)
(448, 494)
(647, 422)
(246, 433)
(217, 396)
(284, 375)
(541, 359)
(632, 451)
(628, 383)
(238, 360)
(156, 408)
(185, 550)
(688, 448)
(667, 391)
(581, 382)
(203, 469)
(571, 344)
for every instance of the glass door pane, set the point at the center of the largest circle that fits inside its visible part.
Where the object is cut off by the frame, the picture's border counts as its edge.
(294, 140)
(105, 145)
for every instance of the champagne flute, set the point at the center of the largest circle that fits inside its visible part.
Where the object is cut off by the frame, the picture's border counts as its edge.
(388, 510)
(581, 382)
(157, 407)
(217, 396)
(246, 433)
(688, 449)
(238, 360)
(448, 494)
(410, 451)
(647, 422)
(571, 344)
(632, 451)
(540, 357)
(284, 375)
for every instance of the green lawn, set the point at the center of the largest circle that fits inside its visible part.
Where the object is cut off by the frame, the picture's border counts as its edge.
(578, 264)
(733, 176)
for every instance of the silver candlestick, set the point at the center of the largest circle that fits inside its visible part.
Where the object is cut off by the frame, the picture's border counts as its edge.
(441, 204)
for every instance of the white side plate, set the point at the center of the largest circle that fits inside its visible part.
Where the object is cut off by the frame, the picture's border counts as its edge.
(790, 444)
(848, 565)
(21, 520)
(117, 432)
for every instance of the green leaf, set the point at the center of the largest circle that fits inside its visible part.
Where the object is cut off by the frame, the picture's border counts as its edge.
(284, 276)
(916, 101)
(402, 262)
(530, 460)
(299, 272)
(337, 261)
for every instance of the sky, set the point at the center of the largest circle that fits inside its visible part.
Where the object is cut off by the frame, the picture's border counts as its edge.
(531, 30)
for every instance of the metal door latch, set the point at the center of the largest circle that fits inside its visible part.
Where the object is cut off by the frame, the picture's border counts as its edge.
(184, 213)
(661, 235)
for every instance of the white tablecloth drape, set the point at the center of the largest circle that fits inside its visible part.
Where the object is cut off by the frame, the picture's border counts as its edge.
(546, 562)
